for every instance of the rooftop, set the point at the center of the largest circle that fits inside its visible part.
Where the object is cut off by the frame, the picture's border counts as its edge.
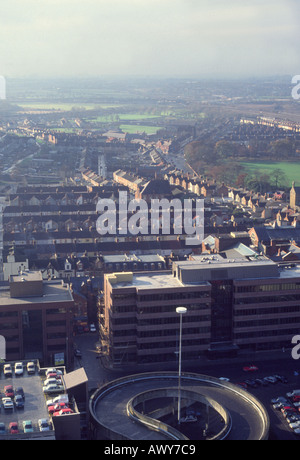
(53, 291)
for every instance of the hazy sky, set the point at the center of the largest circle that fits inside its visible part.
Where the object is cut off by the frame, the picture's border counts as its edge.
(149, 37)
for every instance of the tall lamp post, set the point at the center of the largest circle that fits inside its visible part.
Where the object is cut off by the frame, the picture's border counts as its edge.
(180, 311)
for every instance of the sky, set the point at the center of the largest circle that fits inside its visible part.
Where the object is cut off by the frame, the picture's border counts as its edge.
(180, 38)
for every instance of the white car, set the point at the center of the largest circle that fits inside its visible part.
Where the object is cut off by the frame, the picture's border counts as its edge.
(31, 368)
(93, 328)
(19, 369)
(44, 425)
(7, 403)
(7, 370)
(52, 370)
(52, 388)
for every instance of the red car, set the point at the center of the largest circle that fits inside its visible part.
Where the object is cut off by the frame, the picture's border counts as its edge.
(57, 407)
(9, 391)
(250, 369)
(66, 411)
(13, 428)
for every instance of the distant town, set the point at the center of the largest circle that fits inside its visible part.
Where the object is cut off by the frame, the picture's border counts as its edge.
(94, 308)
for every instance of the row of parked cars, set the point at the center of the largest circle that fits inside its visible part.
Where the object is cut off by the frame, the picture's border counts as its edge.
(13, 397)
(27, 427)
(18, 369)
(53, 382)
(289, 406)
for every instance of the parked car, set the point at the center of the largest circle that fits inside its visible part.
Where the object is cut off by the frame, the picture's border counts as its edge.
(293, 393)
(280, 399)
(93, 328)
(57, 407)
(7, 370)
(53, 388)
(50, 380)
(19, 402)
(27, 426)
(7, 403)
(250, 369)
(270, 379)
(31, 368)
(77, 353)
(2, 428)
(66, 411)
(9, 391)
(13, 428)
(53, 370)
(20, 391)
(58, 399)
(44, 425)
(19, 369)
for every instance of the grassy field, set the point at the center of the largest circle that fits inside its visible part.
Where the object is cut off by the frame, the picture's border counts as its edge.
(291, 170)
(134, 129)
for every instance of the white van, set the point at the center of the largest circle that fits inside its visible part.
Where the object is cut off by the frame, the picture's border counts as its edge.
(293, 393)
(58, 399)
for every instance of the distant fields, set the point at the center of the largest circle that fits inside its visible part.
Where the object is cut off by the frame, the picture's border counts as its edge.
(134, 129)
(291, 170)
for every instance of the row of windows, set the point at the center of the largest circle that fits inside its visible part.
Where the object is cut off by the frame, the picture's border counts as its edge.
(267, 322)
(158, 321)
(170, 332)
(267, 311)
(156, 309)
(268, 299)
(268, 288)
(172, 344)
(260, 334)
(174, 296)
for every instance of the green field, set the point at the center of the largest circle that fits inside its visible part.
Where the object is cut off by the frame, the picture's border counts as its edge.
(135, 129)
(291, 170)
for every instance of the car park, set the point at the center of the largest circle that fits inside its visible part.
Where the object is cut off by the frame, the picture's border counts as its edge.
(19, 369)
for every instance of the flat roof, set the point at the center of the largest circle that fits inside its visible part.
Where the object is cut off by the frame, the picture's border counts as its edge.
(147, 281)
(53, 291)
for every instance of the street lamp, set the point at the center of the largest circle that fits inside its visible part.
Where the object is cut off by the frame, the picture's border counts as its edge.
(180, 311)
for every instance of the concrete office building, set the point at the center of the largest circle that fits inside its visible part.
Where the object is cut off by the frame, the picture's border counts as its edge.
(36, 319)
(235, 306)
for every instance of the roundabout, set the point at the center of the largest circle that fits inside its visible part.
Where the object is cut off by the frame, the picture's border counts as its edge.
(143, 407)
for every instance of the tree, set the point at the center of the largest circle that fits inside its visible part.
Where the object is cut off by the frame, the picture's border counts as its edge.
(279, 177)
